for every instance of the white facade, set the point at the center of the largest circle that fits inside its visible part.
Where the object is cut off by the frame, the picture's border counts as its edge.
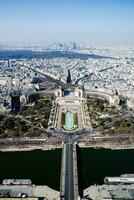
(78, 92)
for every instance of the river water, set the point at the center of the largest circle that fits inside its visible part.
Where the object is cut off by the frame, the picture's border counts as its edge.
(43, 167)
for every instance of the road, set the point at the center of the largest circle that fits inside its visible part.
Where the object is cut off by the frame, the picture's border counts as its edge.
(67, 178)
(69, 182)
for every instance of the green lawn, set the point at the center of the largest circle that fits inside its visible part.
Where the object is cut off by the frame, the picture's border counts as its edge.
(39, 112)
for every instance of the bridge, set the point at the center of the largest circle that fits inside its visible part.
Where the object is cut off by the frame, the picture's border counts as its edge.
(69, 173)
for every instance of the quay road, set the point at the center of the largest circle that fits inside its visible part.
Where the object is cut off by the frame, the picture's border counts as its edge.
(69, 176)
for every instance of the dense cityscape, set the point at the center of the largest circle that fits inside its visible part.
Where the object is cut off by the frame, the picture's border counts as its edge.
(67, 100)
(77, 96)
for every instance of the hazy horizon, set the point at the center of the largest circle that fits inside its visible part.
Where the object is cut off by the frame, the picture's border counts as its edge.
(87, 22)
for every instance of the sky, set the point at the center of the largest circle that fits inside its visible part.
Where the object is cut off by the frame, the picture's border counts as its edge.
(84, 21)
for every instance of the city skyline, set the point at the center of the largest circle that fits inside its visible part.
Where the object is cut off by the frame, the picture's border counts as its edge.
(41, 22)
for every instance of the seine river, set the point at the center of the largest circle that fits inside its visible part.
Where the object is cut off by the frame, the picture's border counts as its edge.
(43, 167)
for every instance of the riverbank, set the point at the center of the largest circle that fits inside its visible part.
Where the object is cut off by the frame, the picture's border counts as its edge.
(81, 145)
(32, 148)
(106, 146)
(33, 191)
